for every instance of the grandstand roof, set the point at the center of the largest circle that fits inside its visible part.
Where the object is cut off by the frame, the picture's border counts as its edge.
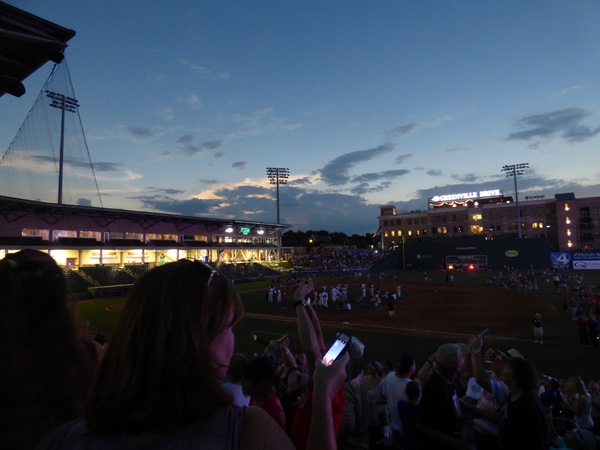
(11, 208)
(27, 42)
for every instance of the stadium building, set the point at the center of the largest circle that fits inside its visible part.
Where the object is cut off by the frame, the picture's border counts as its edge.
(461, 228)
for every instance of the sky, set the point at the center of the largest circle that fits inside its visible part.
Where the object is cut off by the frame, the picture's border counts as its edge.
(185, 103)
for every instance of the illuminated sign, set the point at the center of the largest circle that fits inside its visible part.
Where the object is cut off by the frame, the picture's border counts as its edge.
(534, 197)
(245, 231)
(467, 195)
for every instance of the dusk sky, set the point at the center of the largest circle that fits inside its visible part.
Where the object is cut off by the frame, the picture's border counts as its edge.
(185, 103)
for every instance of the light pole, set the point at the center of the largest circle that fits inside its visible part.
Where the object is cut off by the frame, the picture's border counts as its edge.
(513, 170)
(277, 176)
(63, 103)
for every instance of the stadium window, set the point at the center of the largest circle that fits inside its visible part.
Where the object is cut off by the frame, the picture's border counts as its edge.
(454, 229)
(477, 217)
(534, 225)
(399, 233)
(568, 232)
(418, 232)
(385, 234)
(491, 227)
(424, 231)
(567, 220)
(409, 221)
(460, 229)
(541, 224)
(409, 232)
(569, 244)
(445, 230)
(498, 227)
(567, 207)
(393, 233)
(385, 223)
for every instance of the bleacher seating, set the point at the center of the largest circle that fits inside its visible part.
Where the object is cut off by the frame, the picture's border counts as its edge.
(138, 269)
(108, 275)
(77, 283)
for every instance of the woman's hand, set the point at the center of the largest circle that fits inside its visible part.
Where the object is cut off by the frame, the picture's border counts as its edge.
(328, 379)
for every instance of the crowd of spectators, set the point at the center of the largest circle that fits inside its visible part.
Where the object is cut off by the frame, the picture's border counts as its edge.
(168, 378)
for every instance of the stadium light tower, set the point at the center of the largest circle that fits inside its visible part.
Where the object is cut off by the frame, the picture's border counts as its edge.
(513, 170)
(63, 103)
(277, 176)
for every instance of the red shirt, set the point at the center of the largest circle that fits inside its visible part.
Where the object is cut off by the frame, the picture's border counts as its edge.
(303, 415)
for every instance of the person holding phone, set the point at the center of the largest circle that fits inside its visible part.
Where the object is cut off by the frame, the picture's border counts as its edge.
(313, 344)
(159, 383)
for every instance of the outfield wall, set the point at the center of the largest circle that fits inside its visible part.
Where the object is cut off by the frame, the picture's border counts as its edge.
(432, 254)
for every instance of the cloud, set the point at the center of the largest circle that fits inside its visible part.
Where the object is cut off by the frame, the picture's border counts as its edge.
(434, 173)
(166, 191)
(567, 123)
(466, 178)
(239, 165)
(185, 139)
(401, 130)
(188, 207)
(261, 121)
(140, 133)
(192, 100)
(99, 166)
(566, 91)
(456, 150)
(213, 181)
(375, 176)
(204, 68)
(402, 158)
(165, 113)
(336, 172)
(84, 202)
(191, 150)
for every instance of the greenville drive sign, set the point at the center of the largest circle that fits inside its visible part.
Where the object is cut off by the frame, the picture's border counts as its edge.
(467, 195)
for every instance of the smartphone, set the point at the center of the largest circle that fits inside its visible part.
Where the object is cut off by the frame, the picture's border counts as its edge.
(484, 332)
(338, 347)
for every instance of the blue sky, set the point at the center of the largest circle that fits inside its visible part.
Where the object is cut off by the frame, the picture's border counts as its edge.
(185, 103)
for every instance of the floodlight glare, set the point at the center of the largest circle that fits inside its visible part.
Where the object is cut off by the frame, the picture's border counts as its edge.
(229, 229)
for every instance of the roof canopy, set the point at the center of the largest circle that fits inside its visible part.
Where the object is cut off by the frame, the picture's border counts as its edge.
(27, 42)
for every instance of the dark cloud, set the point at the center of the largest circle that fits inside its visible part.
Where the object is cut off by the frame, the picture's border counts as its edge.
(185, 139)
(375, 176)
(335, 173)
(166, 191)
(434, 173)
(140, 133)
(84, 202)
(219, 154)
(466, 178)
(188, 207)
(300, 181)
(79, 163)
(567, 123)
(213, 181)
(239, 165)
(191, 150)
(402, 158)
(401, 130)
(455, 150)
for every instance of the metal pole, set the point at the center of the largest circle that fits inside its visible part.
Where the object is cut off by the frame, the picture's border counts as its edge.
(62, 151)
(517, 200)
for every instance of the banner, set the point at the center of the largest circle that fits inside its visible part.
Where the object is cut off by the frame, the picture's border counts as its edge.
(586, 260)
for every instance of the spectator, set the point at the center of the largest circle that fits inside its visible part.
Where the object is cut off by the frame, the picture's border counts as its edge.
(408, 410)
(233, 379)
(159, 381)
(45, 369)
(394, 391)
(538, 328)
(525, 425)
(378, 415)
(486, 426)
(258, 382)
(438, 421)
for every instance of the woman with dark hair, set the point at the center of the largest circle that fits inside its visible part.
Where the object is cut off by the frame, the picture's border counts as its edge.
(525, 426)
(44, 377)
(159, 383)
